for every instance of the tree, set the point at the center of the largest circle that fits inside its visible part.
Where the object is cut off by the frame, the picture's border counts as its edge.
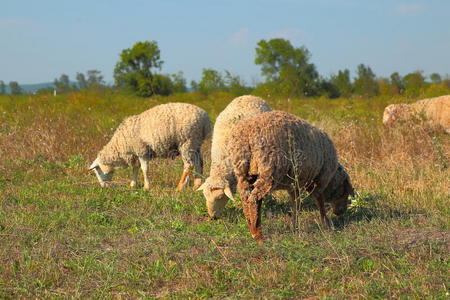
(342, 83)
(62, 84)
(287, 68)
(82, 83)
(134, 71)
(436, 78)
(414, 83)
(94, 79)
(385, 87)
(15, 88)
(211, 81)
(2, 88)
(178, 83)
(194, 85)
(365, 83)
(397, 83)
(162, 84)
(235, 85)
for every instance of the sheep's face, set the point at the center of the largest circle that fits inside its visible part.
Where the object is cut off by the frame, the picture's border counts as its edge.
(388, 115)
(394, 112)
(103, 172)
(216, 198)
(338, 191)
(340, 200)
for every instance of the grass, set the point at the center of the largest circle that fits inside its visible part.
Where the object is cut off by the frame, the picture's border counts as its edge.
(62, 236)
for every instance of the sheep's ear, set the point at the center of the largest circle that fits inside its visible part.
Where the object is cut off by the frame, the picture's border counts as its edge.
(228, 192)
(94, 165)
(201, 188)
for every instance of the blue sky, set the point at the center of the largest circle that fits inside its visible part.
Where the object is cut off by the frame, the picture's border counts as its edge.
(40, 40)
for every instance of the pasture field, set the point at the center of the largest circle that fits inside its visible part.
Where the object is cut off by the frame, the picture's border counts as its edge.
(62, 236)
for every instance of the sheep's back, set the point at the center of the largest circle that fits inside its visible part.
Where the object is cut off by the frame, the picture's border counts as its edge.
(284, 147)
(165, 127)
(436, 110)
(238, 109)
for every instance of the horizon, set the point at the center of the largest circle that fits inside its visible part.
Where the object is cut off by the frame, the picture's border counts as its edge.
(49, 39)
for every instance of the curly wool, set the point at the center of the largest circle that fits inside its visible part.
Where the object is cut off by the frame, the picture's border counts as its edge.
(221, 173)
(435, 110)
(279, 151)
(284, 148)
(165, 130)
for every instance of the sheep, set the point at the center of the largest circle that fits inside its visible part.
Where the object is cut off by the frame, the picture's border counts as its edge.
(166, 130)
(279, 151)
(221, 183)
(436, 111)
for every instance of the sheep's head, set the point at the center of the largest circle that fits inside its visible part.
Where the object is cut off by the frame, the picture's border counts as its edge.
(103, 172)
(216, 195)
(338, 191)
(394, 112)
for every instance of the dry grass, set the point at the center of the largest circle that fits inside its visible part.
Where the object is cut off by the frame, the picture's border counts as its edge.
(63, 236)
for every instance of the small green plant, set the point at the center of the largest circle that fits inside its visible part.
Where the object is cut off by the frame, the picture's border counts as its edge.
(75, 161)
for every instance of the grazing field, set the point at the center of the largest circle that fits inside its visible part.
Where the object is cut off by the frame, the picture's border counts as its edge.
(61, 235)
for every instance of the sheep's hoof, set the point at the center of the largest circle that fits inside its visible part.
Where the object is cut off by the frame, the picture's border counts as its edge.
(327, 222)
(197, 183)
(259, 238)
(146, 188)
(257, 235)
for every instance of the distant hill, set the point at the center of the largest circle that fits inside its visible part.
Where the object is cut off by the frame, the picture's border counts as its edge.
(32, 88)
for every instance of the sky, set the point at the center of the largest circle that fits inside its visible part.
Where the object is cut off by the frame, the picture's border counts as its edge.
(40, 40)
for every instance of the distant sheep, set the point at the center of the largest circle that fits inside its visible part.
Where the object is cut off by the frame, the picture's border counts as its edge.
(221, 183)
(436, 112)
(166, 130)
(279, 151)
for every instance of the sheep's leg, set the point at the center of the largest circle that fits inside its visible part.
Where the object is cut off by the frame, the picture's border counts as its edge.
(146, 172)
(252, 212)
(323, 213)
(190, 159)
(134, 176)
(198, 163)
(184, 180)
(252, 204)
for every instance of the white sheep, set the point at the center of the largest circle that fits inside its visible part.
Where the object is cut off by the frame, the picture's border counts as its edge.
(221, 183)
(435, 111)
(166, 130)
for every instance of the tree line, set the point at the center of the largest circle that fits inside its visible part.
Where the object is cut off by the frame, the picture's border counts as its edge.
(14, 88)
(287, 71)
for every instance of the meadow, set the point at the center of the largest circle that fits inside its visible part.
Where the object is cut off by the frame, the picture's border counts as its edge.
(63, 236)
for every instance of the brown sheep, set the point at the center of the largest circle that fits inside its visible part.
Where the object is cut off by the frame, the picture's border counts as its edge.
(279, 151)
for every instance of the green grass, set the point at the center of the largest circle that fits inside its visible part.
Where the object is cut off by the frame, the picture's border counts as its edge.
(62, 236)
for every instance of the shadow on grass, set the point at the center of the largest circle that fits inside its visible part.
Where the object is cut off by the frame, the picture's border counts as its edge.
(367, 207)
(364, 207)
